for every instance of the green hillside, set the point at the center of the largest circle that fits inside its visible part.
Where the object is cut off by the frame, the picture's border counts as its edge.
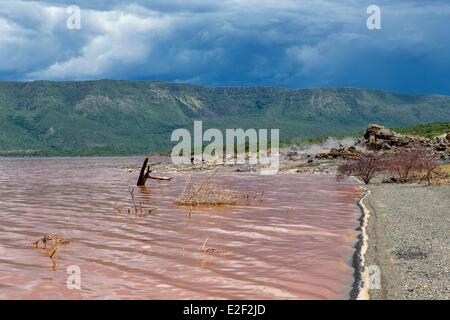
(135, 117)
(426, 130)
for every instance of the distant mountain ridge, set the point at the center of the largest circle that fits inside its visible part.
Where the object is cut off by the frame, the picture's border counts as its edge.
(135, 117)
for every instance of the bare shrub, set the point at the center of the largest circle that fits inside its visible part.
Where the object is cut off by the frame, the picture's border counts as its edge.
(427, 164)
(402, 166)
(206, 193)
(412, 165)
(365, 167)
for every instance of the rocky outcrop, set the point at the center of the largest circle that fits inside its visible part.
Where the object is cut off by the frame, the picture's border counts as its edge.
(340, 153)
(377, 137)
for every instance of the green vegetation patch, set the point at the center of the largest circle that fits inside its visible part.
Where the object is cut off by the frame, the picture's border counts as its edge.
(109, 117)
(426, 130)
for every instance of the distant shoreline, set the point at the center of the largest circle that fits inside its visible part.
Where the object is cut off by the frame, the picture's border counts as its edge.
(71, 157)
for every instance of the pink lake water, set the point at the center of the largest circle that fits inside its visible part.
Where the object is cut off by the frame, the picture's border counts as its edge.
(297, 243)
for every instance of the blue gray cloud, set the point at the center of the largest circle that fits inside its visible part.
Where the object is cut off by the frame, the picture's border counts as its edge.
(292, 43)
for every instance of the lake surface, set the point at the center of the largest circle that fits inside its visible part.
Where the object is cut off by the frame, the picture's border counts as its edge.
(294, 242)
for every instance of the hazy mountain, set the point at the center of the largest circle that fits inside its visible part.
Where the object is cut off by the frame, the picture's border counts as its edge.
(131, 117)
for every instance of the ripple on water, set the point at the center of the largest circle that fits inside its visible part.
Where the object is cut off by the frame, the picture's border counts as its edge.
(295, 244)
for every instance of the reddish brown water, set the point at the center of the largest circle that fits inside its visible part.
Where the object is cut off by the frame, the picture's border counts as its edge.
(295, 244)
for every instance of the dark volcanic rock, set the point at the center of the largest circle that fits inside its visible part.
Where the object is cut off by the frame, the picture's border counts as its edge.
(341, 153)
(377, 137)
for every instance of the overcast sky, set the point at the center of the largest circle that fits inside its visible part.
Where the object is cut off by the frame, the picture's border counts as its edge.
(288, 43)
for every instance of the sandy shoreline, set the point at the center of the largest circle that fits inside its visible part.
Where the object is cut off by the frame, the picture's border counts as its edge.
(408, 240)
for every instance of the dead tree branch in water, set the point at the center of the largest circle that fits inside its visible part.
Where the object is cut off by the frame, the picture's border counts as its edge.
(55, 242)
(137, 206)
(160, 178)
(145, 174)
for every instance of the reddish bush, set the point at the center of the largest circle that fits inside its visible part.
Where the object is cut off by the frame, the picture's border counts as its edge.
(402, 166)
(365, 167)
(405, 166)
(412, 165)
(428, 164)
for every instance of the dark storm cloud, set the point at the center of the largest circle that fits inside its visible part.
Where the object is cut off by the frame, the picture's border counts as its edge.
(279, 43)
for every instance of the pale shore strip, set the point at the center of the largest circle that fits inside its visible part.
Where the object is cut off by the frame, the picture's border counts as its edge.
(363, 287)
(406, 236)
(360, 288)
